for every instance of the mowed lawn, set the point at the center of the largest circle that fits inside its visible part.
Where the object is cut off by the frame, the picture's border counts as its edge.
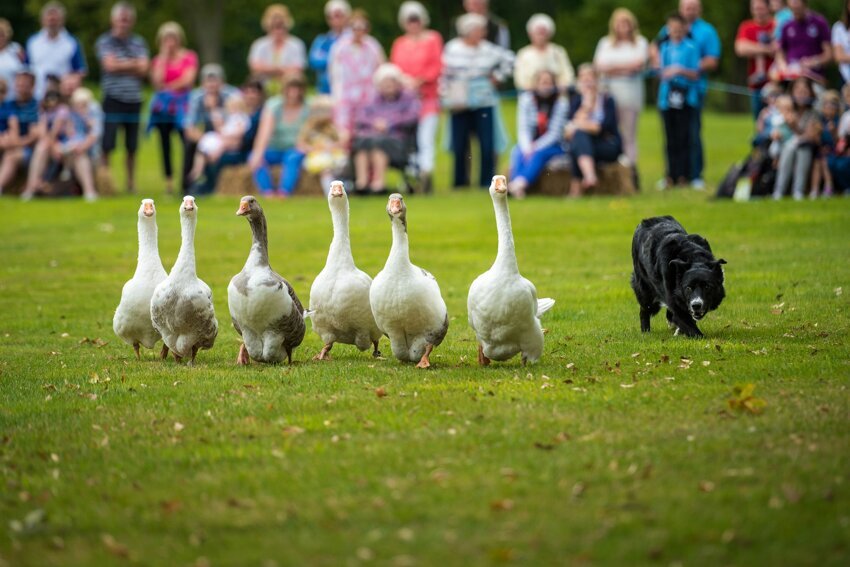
(617, 448)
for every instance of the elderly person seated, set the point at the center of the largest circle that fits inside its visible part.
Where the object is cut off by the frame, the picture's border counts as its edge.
(591, 130)
(471, 68)
(541, 115)
(380, 128)
(542, 54)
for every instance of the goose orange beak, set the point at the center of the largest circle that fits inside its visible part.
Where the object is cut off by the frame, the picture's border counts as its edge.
(337, 189)
(500, 184)
(244, 206)
(395, 206)
(188, 204)
(148, 210)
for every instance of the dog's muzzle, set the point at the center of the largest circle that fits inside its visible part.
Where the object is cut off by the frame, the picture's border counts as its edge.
(697, 308)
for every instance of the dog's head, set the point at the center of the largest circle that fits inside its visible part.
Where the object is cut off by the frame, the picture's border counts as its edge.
(700, 285)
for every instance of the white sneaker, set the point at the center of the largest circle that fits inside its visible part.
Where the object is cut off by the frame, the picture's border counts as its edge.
(662, 184)
(90, 198)
(698, 184)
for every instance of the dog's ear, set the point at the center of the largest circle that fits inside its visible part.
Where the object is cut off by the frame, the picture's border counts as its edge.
(720, 262)
(677, 264)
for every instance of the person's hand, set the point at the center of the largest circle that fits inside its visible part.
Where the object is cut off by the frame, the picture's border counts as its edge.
(210, 101)
(775, 135)
(569, 130)
(108, 63)
(671, 71)
(381, 125)
(255, 160)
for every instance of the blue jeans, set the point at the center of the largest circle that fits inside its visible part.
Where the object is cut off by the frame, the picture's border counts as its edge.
(290, 160)
(756, 103)
(464, 123)
(696, 141)
(839, 166)
(530, 168)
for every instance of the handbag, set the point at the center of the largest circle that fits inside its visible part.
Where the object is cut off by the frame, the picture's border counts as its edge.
(461, 93)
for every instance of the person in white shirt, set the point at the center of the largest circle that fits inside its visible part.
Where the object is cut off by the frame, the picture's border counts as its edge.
(541, 55)
(277, 53)
(54, 51)
(11, 58)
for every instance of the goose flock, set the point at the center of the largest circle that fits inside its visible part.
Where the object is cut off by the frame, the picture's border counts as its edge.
(346, 306)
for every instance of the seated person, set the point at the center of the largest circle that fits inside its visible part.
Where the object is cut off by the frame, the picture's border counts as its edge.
(229, 128)
(322, 142)
(83, 135)
(52, 122)
(380, 128)
(591, 131)
(23, 131)
(541, 114)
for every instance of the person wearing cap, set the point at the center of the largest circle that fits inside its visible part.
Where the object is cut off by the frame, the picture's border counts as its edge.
(472, 66)
(277, 53)
(337, 13)
(124, 61)
(173, 73)
(11, 58)
(353, 61)
(54, 51)
(203, 102)
(542, 54)
(276, 143)
(380, 128)
(419, 55)
(23, 127)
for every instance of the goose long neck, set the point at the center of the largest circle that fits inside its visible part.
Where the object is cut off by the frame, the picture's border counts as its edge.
(148, 247)
(186, 257)
(400, 251)
(506, 255)
(259, 255)
(340, 250)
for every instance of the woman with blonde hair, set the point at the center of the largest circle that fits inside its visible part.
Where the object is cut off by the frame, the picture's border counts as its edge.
(620, 59)
(277, 53)
(173, 72)
(542, 54)
(11, 58)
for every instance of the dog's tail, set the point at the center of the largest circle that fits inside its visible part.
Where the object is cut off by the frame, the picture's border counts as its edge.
(544, 305)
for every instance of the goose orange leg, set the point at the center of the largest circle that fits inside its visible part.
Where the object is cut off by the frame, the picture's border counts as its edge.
(482, 360)
(194, 353)
(242, 359)
(425, 362)
(325, 352)
(136, 350)
(163, 354)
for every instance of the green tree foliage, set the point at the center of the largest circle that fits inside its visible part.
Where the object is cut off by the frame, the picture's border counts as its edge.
(222, 30)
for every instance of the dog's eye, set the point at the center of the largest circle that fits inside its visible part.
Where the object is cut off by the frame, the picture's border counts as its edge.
(688, 290)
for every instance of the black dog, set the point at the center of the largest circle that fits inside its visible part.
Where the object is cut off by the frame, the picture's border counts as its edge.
(677, 270)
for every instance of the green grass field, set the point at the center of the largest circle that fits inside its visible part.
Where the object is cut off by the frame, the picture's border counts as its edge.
(617, 448)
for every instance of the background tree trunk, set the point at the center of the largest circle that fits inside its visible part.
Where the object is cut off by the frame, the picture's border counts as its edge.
(205, 18)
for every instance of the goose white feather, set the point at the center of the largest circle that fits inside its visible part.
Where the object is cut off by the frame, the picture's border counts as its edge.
(406, 300)
(132, 320)
(182, 308)
(339, 297)
(264, 308)
(502, 305)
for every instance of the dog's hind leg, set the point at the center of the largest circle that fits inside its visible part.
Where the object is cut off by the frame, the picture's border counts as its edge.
(649, 306)
(670, 323)
(646, 313)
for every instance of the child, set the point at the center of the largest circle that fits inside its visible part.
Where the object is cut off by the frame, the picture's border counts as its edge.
(227, 135)
(322, 143)
(828, 126)
(677, 97)
(81, 149)
(779, 125)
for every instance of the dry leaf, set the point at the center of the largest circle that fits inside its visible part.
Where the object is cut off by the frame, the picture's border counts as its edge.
(178, 427)
(380, 392)
(502, 505)
(114, 547)
(743, 400)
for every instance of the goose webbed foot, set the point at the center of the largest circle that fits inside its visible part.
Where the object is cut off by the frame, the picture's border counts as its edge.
(324, 354)
(482, 360)
(163, 354)
(424, 362)
(136, 350)
(376, 353)
(242, 359)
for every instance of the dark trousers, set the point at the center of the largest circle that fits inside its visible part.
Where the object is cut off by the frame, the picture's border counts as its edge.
(166, 129)
(189, 148)
(117, 115)
(677, 130)
(695, 127)
(464, 123)
(601, 149)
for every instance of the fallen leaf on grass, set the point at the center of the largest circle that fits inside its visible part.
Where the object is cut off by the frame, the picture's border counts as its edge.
(838, 291)
(98, 342)
(114, 547)
(380, 392)
(170, 506)
(502, 505)
(292, 430)
(178, 427)
(685, 363)
(743, 400)
(706, 486)
(544, 446)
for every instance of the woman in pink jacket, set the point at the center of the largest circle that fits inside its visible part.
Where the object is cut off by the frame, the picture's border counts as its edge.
(419, 55)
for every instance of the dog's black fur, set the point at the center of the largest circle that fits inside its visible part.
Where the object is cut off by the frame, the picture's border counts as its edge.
(676, 269)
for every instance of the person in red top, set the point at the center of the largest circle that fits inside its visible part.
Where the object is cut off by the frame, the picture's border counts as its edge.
(418, 53)
(755, 42)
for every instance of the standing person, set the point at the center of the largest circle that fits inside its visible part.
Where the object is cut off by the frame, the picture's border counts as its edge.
(805, 46)
(419, 55)
(841, 43)
(795, 159)
(337, 13)
(620, 60)
(472, 66)
(541, 116)
(705, 37)
(54, 51)
(204, 104)
(124, 61)
(353, 61)
(678, 98)
(754, 42)
(497, 28)
(173, 74)
(277, 53)
(11, 57)
(276, 142)
(591, 131)
(542, 54)
(23, 127)
(781, 16)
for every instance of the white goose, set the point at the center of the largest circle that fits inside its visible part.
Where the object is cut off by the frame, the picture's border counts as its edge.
(182, 308)
(406, 300)
(132, 321)
(339, 298)
(263, 306)
(503, 307)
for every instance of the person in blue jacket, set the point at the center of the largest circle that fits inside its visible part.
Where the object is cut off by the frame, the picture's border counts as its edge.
(337, 13)
(678, 98)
